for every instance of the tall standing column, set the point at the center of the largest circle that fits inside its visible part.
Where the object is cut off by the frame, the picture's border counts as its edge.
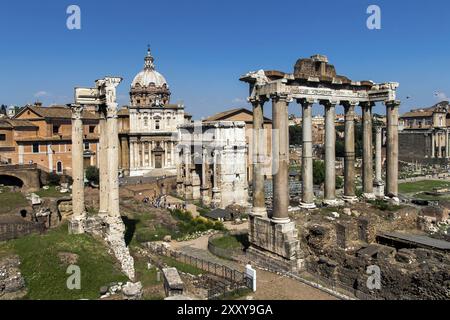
(113, 142)
(446, 144)
(392, 148)
(379, 184)
(367, 151)
(307, 156)
(280, 159)
(330, 153)
(76, 225)
(349, 157)
(259, 203)
(103, 163)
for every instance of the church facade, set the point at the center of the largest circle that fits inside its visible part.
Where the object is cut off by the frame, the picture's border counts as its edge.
(153, 123)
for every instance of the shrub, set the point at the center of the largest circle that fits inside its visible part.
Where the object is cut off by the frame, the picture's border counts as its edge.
(54, 179)
(92, 174)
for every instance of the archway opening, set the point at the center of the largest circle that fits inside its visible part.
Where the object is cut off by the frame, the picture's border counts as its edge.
(10, 181)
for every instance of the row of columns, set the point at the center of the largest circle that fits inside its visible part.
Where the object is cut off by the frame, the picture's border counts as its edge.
(280, 153)
(108, 159)
(139, 151)
(436, 143)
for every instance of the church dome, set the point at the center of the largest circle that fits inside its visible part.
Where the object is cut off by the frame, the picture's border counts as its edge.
(149, 76)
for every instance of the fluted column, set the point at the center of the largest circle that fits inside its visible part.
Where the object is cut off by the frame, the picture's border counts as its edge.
(259, 203)
(76, 225)
(392, 148)
(349, 158)
(307, 156)
(367, 151)
(103, 163)
(330, 153)
(113, 143)
(280, 159)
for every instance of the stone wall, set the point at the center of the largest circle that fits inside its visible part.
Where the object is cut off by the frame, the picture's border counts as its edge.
(13, 227)
(405, 273)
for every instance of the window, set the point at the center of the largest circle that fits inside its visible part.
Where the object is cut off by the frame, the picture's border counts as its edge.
(55, 129)
(2, 137)
(59, 167)
(91, 129)
(157, 125)
(138, 101)
(35, 147)
(86, 146)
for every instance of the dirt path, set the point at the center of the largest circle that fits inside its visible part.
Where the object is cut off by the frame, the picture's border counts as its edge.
(269, 285)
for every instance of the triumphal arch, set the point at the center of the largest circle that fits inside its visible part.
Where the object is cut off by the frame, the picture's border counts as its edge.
(314, 82)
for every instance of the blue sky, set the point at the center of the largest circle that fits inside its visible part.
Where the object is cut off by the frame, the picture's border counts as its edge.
(203, 46)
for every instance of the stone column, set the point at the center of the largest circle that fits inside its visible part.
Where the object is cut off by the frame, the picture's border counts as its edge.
(76, 224)
(367, 151)
(433, 148)
(259, 203)
(280, 159)
(349, 158)
(113, 141)
(446, 144)
(125, 155)
(392, 148)
(307, 156)
(330, 153)
(379, 184)
(103, 163)
(132, 166)
(205, 187)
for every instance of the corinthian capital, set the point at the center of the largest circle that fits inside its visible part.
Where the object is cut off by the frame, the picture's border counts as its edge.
(281, 96)
(77, 111)
(392, 103)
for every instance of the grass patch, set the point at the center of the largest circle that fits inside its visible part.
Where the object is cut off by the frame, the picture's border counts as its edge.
(11, 200)
(45, 274)
(236, 294)
(422, 186)
(51, 193)
(384, 206)
(183, 267)
(231, 242)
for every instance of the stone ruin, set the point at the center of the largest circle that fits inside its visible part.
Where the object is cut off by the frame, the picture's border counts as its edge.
(108, 223)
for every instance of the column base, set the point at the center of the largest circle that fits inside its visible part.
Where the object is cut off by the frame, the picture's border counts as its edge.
(275, 240)
(333, 203)
(379, 189)
(77, 225)
(280, 220)
(350, 199)
(369, 196)
(258, 212)
(308, 206)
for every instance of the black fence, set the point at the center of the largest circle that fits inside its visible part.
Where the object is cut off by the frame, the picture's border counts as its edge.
(230, 274)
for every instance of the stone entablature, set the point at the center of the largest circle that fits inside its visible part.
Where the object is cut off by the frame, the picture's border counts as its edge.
(314, 82)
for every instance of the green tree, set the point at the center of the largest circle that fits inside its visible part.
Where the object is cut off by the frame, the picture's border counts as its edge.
(295, 135)
(92, 174)
(318, 172)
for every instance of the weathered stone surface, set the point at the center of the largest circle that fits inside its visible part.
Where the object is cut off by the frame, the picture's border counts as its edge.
(12, 283)
(132, 291)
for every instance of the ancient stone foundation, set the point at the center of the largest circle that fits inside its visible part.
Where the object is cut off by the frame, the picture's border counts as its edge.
(274, 245)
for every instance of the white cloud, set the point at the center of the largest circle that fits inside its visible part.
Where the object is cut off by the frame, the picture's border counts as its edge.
(441, 96)
(41, 94)
(239, 100)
